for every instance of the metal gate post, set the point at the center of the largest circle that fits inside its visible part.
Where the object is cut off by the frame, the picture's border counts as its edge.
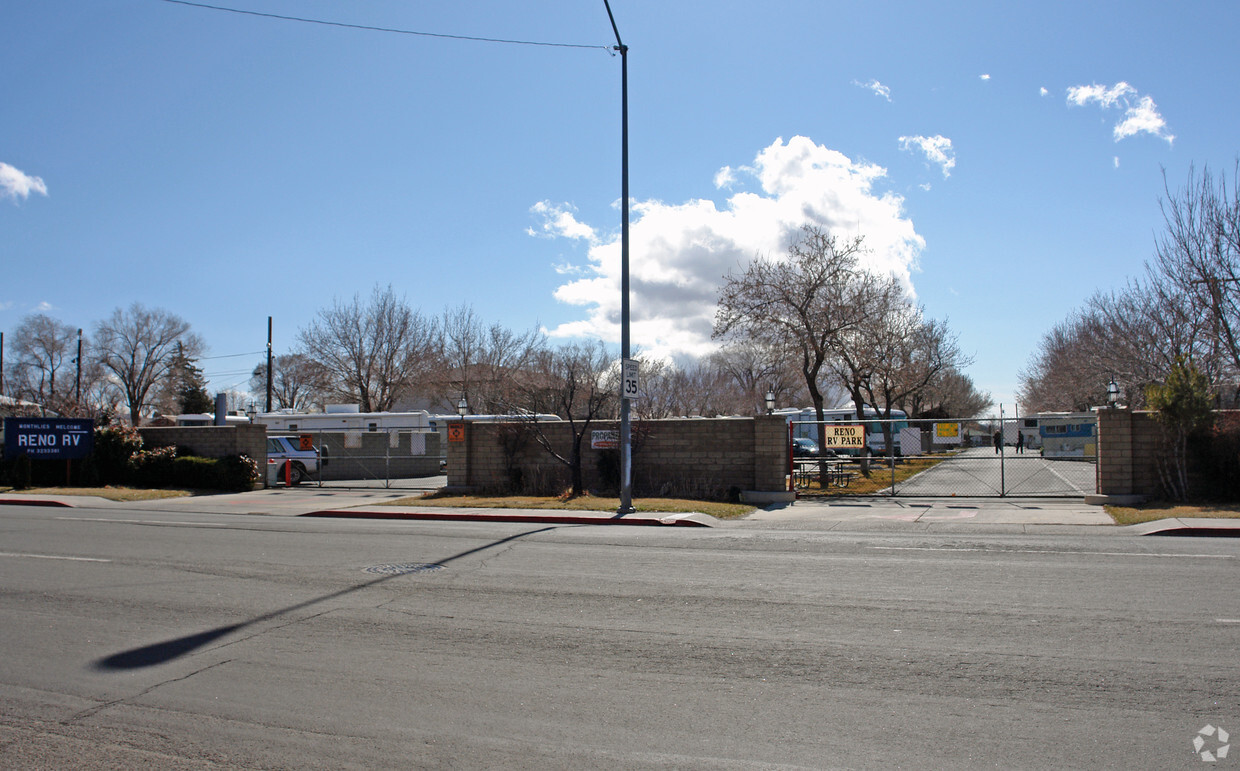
(1002, 477)
(891, 452)
(791, 462)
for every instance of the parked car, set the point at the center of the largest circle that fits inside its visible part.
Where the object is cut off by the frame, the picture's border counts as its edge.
(288, 448)
(803, 447)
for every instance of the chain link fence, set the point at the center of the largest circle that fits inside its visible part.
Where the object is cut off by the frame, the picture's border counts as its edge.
(1050, 456)
(392, 457)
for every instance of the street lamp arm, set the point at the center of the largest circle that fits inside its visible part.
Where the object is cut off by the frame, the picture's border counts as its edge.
(620, 46)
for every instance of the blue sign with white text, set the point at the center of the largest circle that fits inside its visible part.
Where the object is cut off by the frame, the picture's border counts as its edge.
(49, 438)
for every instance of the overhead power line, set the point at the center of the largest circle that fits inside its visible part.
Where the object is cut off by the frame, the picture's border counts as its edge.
(394, 30)
(230, 355)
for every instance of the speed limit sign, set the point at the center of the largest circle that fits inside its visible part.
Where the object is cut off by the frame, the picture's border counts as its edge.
(628, 379)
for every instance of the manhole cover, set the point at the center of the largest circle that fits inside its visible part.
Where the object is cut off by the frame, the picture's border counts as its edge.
(402, 569)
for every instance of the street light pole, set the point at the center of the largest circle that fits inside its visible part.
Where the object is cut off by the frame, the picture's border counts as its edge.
(626, 454)
(77, 391)
(268, 364)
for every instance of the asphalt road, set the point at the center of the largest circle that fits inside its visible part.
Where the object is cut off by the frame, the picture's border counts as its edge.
(982, 471)
(181, 640)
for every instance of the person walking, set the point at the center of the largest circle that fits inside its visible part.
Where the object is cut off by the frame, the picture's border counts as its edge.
(998, 441)
(1020, 442)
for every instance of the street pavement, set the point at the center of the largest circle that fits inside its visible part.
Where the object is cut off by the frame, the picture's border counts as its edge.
(851, 514)
(184, 640)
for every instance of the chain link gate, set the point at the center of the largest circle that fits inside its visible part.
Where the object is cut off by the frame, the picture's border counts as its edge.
(1048, 455)
(394, 456)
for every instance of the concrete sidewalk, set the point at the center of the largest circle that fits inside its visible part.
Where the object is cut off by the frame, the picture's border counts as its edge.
(942, 515)
(934, 514)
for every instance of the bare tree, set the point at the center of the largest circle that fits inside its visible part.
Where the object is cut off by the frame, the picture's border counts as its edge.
(137, 345)
(44, 348)
(907, 353)
(298, 382)
(374, 352)
(950, 395)
(1199, 253)
(749, 369)
(695, 388)
(1134, 335)
(478, 361)
(579, 383)
(804, 303)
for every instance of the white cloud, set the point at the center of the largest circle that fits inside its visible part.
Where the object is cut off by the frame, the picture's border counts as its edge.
(1140, 113)
(878, 88)
(1115, 160)
(1106, 97)
(558, 220)
(679, 253)
(984, 76)
(15, 183)
(725, 178)
(44, 306)
(1143, 117)
(1043, 91)
(938, 150)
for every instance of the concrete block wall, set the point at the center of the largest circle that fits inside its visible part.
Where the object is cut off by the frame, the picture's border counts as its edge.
(714, 457)
(1129, 444)
(211, 441)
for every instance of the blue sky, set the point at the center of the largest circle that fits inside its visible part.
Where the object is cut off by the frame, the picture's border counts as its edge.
(1006, 159)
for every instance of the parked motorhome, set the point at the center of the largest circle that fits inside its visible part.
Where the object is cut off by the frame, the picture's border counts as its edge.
(344, 417)
(1067, 434)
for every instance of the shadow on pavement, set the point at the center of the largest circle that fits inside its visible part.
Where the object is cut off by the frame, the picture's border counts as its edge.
(169, 650)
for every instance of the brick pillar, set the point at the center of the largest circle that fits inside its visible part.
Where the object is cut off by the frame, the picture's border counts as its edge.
(458, 458)
(770, 454)
(1115, 459)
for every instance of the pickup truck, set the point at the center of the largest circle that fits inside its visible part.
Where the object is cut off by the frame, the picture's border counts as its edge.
(282, 448)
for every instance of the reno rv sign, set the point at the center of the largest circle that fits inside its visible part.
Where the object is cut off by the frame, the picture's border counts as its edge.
(48, 438)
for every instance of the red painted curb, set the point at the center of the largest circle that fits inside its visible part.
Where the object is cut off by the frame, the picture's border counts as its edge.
(544, 519)
(34, 502)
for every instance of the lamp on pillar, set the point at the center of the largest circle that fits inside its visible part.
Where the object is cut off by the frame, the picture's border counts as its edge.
(770, 401)
(462, 408)
(1112, 393)
(252, 412)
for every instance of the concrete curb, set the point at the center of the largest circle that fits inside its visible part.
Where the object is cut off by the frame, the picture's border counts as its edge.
(1188, 526)
(514, 515)
(35, 502)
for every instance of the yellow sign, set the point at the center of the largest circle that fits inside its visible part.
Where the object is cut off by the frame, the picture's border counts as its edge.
(456, 432)
(844, 436)
(947, 430)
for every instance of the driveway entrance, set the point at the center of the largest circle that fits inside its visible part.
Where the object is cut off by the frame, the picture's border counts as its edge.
(1050, 455)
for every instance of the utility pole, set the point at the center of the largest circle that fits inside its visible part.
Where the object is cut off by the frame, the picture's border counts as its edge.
(77, 398)
(626, 444)
(268, 364)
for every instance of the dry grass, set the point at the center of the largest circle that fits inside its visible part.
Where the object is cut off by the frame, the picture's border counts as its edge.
(1149, 512)
(109, 493)
(581, 503)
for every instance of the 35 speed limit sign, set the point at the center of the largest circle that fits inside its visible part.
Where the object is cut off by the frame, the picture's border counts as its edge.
(628, 379)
